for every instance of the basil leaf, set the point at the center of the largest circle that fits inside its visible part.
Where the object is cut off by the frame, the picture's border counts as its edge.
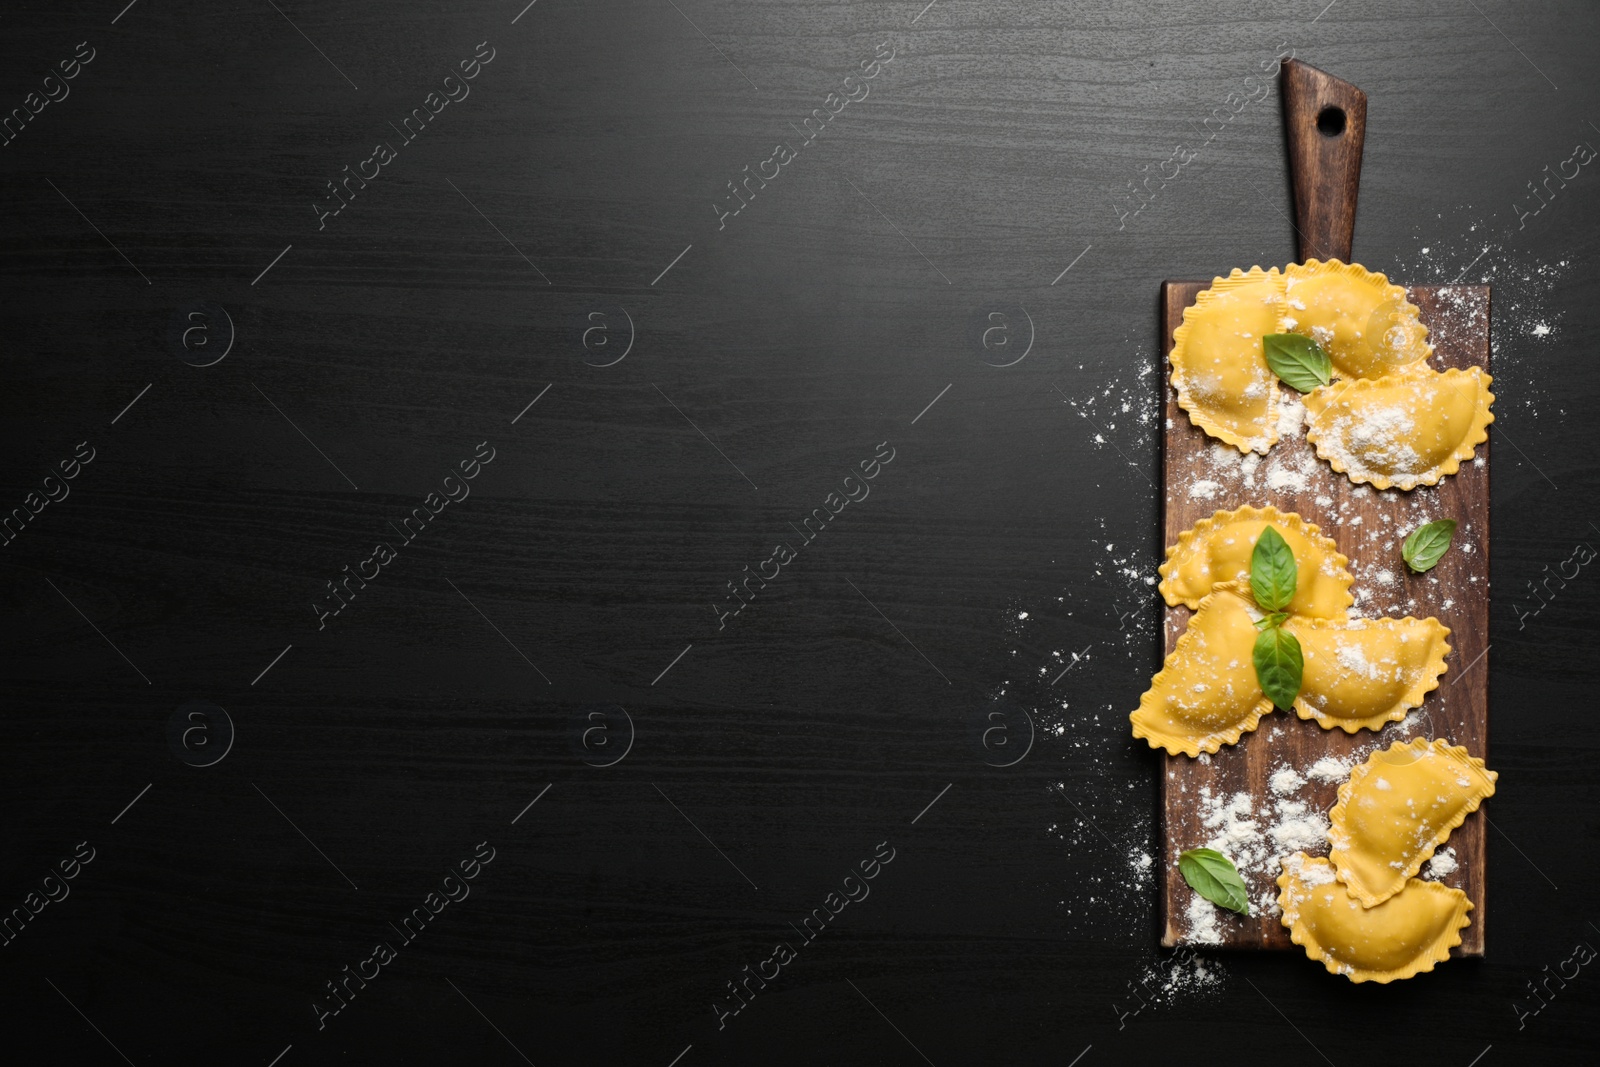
(1213, 876)
(1299, 362)
(1275, 619)
(1279, 665)
(1426, 545)
(1273, 572)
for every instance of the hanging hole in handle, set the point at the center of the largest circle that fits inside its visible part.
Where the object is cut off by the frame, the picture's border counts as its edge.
(1330, 121)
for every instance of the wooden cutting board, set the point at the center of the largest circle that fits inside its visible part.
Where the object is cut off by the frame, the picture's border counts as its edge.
(1367, 525)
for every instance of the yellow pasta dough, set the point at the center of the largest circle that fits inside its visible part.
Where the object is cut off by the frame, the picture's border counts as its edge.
(1219, 368)
(1218, 550)
(1398, 807)
(1362, 673)
(1356, 674)
(1366, 325)
(1403, 936)
(1410, 428)
(1387, 419)
(1206, 694)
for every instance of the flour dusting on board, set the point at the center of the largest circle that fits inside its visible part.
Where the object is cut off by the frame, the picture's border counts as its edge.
(1258, 831)
(1524, 323)
(1061, 644)
(1441, 866)
(1226, 478)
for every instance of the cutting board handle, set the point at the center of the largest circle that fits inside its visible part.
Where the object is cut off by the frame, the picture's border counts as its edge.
(1326, 123)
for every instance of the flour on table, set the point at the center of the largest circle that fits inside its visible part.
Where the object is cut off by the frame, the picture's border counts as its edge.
(1258, 833)
(1286, 781)
(1442, 865)
(1329, 769)
(1202, 922)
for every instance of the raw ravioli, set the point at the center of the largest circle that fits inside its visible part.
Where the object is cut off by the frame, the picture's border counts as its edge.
(1400, 938)
(1408, 429)
(1398, 807)
(1362, 673)
(1367, 326)
(1206, 694)
(1218, 365)
(1217, 550)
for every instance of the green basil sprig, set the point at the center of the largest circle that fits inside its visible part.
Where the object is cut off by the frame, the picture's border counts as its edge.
(1278, 660)
(1279, 665)
(1273, 571)
(1299, 362)
(1213, 876)
(1426, 545)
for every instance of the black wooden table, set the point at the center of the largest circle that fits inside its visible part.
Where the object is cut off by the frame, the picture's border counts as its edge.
(622, 533)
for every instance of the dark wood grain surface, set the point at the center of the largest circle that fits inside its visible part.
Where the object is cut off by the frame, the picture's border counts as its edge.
(1325, 129)
(1047, 163)
(1368, 525)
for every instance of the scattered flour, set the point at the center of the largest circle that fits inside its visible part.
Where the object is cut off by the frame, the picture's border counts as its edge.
(1141, 867)
(1189, 975)
(1298, 829)
(1257, 834)
(1291, 416)
(1202, 922)
(1312, 877)
(1286, 781)
(1328, 769)
(1442, 865)
(1166, 981)
(1353, 658)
